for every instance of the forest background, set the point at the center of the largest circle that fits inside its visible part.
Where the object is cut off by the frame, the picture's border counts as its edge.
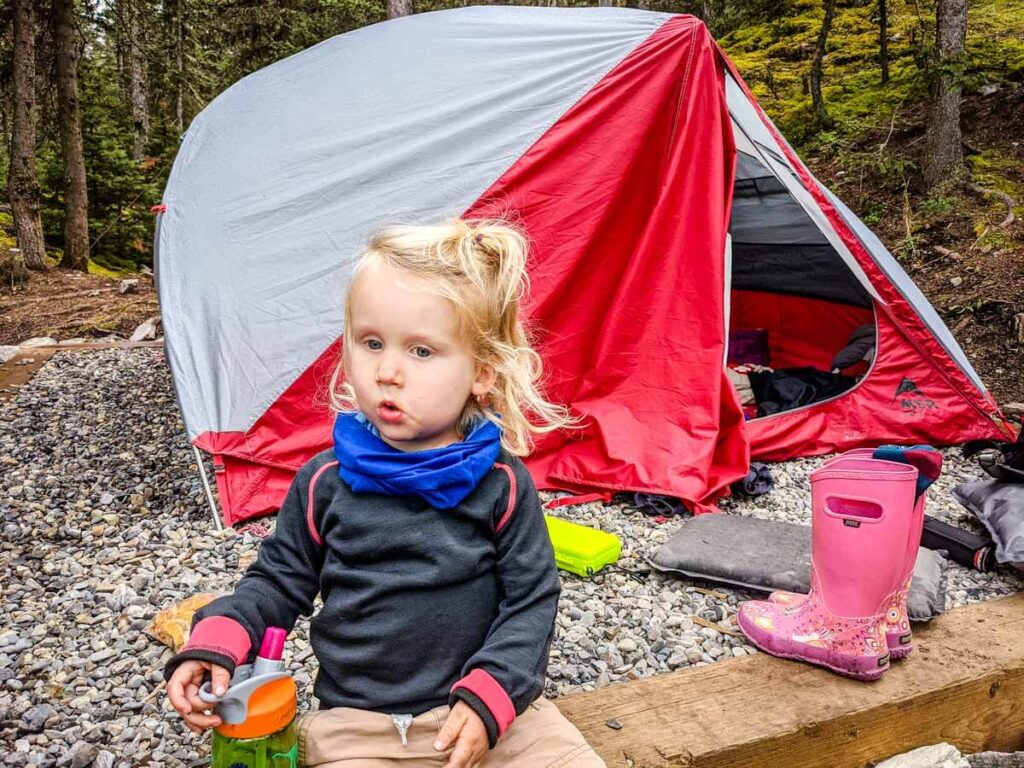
(910, 110)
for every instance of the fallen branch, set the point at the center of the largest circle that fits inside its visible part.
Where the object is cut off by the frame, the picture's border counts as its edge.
(1007, 201)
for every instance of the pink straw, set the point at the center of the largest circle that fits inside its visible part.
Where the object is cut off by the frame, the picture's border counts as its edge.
(273, 643)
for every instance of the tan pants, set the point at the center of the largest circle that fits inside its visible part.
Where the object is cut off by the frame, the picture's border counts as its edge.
(352, 738)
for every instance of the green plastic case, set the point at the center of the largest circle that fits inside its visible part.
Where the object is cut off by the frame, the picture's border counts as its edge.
(579, 549)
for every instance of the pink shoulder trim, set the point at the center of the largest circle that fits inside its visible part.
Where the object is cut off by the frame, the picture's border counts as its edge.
(310, 519)
(512, 494)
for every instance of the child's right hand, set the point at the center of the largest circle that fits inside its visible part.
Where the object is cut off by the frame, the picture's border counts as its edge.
(183, 692)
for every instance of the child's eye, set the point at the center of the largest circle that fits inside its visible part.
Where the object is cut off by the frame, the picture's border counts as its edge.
(374, 344)
(422, 352)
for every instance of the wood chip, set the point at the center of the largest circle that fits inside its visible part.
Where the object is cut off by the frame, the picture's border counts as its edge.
(712, 592)
(700, 620)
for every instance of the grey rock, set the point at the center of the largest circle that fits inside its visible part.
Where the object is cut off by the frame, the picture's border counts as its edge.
(34, 720)
(147, 330)
(83, 754)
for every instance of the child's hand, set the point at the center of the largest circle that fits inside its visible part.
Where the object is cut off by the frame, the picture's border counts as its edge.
(183, 692)
(465, 728)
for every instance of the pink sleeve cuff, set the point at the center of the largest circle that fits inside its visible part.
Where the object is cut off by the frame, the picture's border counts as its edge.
(220, 635)
(492, 695)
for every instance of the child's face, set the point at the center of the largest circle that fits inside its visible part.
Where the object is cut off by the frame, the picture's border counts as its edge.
(411, 371)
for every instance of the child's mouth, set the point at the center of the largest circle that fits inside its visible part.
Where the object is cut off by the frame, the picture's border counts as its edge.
(390, 413)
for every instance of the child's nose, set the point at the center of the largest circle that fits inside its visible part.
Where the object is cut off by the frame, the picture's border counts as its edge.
(389, 371)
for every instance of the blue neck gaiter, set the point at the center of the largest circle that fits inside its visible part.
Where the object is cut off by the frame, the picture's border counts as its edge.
(442, 477)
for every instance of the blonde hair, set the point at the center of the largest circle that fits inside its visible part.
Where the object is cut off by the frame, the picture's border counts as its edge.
(480, 267)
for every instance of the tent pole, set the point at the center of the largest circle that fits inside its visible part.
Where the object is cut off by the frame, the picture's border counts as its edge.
(206, 487)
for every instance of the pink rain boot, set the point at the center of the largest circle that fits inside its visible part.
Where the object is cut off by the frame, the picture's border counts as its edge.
(859, 541)
(898, 636)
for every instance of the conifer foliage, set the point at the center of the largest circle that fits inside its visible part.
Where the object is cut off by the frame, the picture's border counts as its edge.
(96, 94)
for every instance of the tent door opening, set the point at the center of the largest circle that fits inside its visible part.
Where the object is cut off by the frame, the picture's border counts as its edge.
(801, 323)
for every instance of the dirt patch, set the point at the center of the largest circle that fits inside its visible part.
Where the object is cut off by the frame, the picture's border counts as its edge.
(66, 304)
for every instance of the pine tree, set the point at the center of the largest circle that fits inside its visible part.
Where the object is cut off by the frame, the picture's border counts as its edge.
(22, 185)
(68, 52)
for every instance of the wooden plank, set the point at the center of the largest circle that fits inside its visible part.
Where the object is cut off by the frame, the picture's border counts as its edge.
(964, 684)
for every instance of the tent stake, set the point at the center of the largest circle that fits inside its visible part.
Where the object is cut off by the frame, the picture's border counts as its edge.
(206, 487)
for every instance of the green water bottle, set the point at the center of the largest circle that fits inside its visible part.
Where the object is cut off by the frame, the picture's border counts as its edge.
(258, 712)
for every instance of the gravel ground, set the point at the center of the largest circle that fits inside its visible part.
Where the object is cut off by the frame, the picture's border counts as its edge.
(104, 523)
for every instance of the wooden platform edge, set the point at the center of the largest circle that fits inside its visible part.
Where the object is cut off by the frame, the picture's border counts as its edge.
(963, 684)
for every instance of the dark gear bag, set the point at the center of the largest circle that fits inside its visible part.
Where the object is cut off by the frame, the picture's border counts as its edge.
(1003, 461)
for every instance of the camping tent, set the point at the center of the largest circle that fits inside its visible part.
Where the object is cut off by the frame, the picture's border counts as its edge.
(663, 209)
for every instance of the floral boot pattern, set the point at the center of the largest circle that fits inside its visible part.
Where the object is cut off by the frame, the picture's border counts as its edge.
(808, 631)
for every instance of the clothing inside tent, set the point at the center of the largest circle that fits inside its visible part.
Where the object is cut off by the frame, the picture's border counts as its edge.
(794, 302)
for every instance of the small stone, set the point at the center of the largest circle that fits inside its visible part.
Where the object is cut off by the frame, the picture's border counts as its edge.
(102, 655)
(146, 331)
(83, 754)
(956, 280)
(35, 719)
(614, 724)
(627, 645)
(128, 286)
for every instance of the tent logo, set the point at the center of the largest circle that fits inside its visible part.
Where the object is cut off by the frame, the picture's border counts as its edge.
(911, 398)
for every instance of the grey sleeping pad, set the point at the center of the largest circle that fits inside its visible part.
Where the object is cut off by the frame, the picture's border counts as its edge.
(766, 555)
(233, 706)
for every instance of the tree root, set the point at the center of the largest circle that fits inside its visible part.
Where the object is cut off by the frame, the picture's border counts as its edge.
(1006, 199)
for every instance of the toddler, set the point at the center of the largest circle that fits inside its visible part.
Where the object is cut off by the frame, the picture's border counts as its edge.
(421, 529)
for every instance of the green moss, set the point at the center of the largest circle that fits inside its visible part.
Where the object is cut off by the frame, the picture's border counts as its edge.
(98, 269)
(937, 206)
(992, 170)
(775, 59)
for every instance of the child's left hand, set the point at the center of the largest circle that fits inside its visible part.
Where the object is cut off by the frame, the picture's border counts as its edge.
(466, 730)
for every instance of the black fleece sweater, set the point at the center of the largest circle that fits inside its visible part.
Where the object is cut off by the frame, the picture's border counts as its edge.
(421, 606)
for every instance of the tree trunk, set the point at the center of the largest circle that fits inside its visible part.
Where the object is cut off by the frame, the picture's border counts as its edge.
(397, 8)
(816, 64)
(22, 184)
(179, 64)
(944, 158)
(76, 202)
(883, 39)
(131, 29)
(605, 3)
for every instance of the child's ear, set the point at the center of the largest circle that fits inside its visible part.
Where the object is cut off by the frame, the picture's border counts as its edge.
(485, 378)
